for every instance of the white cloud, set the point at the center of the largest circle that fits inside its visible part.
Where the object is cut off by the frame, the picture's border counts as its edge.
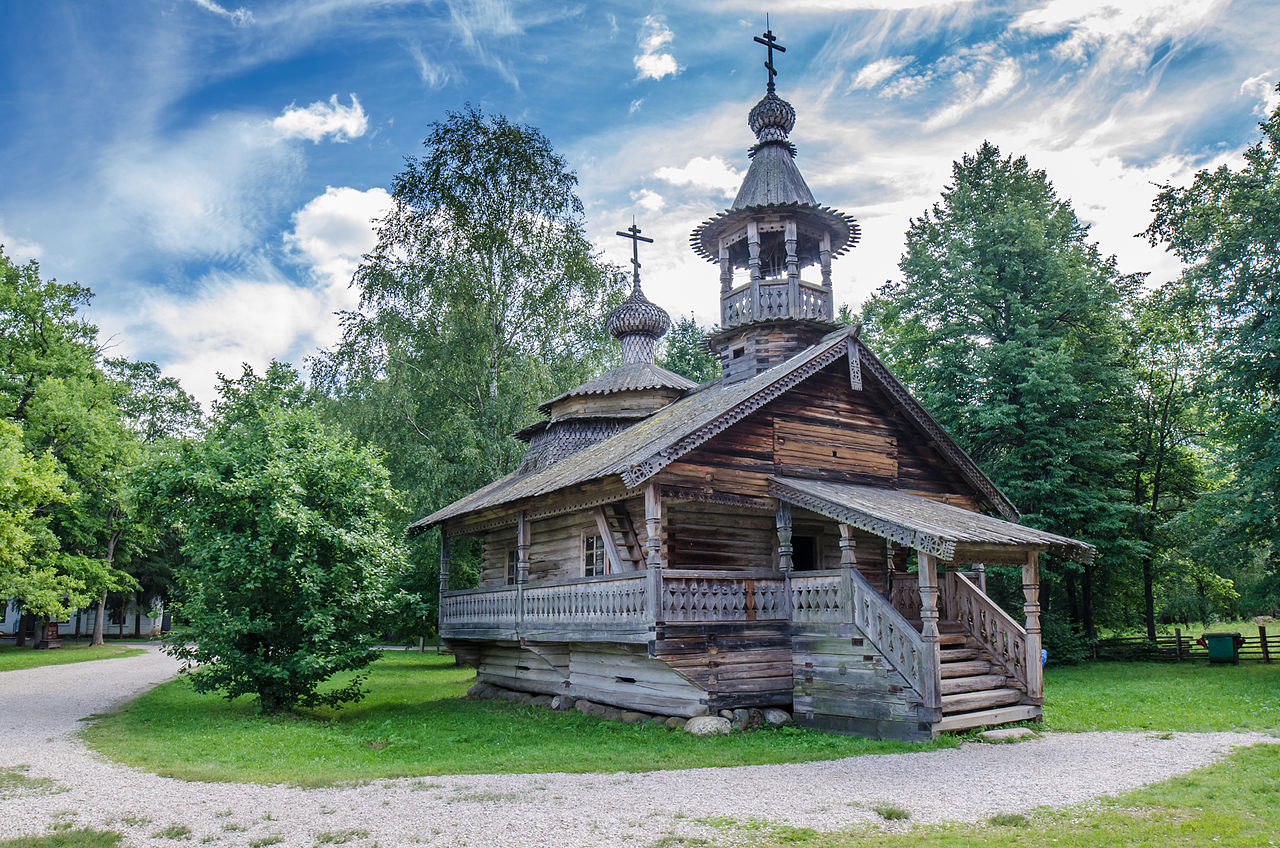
(334, 230)
(649, 200)
(708, 172)
(18, 249)
(878, 71)
(635, 106)
(432, 74)
(1001, 81)
(654, 61)
(240, 17)
(1263, 89)
(322, 119)
(478, 21)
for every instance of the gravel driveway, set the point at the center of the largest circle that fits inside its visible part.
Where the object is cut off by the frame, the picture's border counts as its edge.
(40, 710)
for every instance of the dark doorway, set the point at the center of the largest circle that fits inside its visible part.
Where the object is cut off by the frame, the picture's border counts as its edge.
(804, 553)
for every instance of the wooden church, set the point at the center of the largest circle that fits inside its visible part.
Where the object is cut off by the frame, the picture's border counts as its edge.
(798, 533)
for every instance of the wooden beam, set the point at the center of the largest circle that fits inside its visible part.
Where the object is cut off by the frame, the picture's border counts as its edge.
(610, 545)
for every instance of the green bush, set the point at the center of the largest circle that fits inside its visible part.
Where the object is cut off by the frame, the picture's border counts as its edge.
(1065, 642)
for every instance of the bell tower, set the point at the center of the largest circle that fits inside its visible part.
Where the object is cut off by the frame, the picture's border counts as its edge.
(774, 230)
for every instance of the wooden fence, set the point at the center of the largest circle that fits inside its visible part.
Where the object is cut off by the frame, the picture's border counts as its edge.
(1258, 646)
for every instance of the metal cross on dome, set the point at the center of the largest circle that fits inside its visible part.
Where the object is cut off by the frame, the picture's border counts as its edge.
(633, 232)
(771, 44)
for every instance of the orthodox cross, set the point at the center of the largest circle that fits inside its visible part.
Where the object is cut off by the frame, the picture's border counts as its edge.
(771, 44)
(633, 232)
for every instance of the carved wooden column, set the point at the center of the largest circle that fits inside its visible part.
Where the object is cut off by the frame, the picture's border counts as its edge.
(928, 574)
(888, 569)
(444, 578)
(793, 271)
(1031, 591)
(523, 537)
(824, 261)
(653, 551)
(848, 547)
(980, 569)
(785, 549)
(753, 268)
(726, 269)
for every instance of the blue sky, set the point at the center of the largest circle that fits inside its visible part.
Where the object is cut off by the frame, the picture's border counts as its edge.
(210, 168)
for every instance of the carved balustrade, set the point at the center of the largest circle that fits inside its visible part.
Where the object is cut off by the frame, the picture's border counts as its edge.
(693, 596)
(984, 620)
(774, 298)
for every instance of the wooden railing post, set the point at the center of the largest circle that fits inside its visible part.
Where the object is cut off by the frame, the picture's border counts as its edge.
(928, 576)
(1262, 640)
(1031, 590)
(980, 569)
(786, 551)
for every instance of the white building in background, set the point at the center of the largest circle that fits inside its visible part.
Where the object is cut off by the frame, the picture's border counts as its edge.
(122, 620)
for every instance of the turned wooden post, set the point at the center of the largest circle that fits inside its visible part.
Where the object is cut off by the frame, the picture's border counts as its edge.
(980, 569)
(824, 259)
(726, 269)
(786, 551)
(928, 574)
(653, 550)
(848, 547)
(790, 237)
(444, 579)
(523, 537)
(888, 568)
(1031, 590)
(753, 268)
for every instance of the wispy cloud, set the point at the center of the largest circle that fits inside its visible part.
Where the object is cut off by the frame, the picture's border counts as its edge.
(1001, 81)
(477, 22)
(878, 71)
(1117, 34)
(322, 119)
(432, 73)
(240, 16)
(17, 248)
(655, 61)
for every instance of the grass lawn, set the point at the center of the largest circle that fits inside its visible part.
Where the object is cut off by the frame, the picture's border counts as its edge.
(1234, 804)
(416, 722)
(1162, 696)
(13, 658)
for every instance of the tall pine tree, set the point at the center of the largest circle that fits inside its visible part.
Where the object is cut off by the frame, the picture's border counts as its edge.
(1007, 324)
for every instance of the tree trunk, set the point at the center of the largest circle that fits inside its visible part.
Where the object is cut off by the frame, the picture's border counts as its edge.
(1086, 602)
(97, 620)
(24, 627)
(1149, 594)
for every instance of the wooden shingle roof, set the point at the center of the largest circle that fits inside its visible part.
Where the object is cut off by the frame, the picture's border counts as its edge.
(921, 523)
(646, 447)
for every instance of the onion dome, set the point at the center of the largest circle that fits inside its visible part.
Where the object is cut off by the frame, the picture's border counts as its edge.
(772, 119)
(638, 324)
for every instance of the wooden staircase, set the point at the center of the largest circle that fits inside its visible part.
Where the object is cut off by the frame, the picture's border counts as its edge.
(975, 690)
(620, 533)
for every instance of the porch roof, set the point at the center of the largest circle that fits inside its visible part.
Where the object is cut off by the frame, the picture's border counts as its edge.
(948, 532)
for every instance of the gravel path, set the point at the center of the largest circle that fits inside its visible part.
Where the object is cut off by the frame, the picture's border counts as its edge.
(40, 710)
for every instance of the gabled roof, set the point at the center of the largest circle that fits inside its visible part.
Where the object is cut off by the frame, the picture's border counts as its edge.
(646, 447)
(917, 522)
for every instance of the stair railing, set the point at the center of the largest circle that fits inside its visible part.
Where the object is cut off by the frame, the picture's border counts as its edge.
(894, 637)
(983, 619)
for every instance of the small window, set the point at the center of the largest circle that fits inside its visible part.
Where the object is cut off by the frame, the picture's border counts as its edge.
(511, 567)
(594, 561)
(738, 352)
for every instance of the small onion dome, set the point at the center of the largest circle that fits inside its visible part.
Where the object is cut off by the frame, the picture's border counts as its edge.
(637, 316)
(772, 119)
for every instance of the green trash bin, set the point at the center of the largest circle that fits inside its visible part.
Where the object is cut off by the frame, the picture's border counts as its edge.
(1223, 647)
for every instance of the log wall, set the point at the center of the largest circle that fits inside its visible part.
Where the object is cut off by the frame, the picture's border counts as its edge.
(842, 684)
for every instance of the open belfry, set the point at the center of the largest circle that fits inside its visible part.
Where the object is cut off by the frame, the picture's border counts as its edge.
(798, 533)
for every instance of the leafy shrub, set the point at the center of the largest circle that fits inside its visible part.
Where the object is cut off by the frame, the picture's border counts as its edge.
(1065, 642)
